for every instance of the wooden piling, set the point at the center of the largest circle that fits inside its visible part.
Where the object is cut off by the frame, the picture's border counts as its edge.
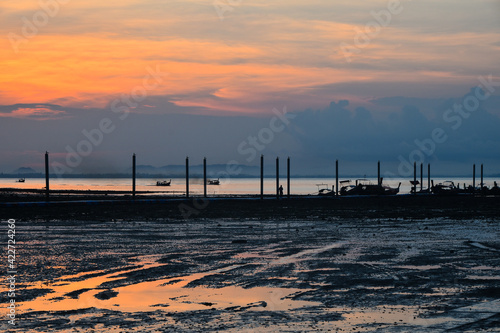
(288, 177)
(205, 177)
(47, 189)
(414, 177)
(421, 176)
(187, 177)
(133, 175)
(378, 173)
(482, 183)
(473, 178)
(277, 177)
(429, 176)
(337, 177)
(261, 177)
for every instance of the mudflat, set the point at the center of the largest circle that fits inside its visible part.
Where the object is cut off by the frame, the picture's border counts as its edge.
(252, 266)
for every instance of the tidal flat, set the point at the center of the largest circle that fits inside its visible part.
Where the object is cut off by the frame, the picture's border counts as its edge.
(253, 274)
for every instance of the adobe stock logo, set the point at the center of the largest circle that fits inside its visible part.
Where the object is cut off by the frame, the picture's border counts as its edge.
(363, 38)
(30, 29)
(266, 135)
(223, 6)
(455, 117)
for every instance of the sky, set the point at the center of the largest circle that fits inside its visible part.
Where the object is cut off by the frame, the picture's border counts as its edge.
(93, 82)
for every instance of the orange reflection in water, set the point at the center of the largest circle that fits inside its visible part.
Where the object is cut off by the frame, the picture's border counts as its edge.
(170, 294)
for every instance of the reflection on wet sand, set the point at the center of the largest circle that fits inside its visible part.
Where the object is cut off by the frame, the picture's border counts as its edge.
(169, 293)
(321, 275)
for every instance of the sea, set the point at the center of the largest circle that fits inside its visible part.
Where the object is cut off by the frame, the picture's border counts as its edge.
(228, 186)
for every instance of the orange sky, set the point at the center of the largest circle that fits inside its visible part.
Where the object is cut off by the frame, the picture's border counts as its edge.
(91, 51)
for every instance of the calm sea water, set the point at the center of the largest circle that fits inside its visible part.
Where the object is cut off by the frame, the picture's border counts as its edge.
(235, 186)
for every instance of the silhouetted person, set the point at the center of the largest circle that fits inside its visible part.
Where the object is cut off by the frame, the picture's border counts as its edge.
(281, 190)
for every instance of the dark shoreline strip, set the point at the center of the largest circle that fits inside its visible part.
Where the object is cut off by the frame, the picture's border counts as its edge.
(297, 207)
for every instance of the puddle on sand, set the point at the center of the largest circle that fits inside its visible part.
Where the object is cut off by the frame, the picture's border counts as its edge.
(167, 294)
(57, 301)
(296, 258)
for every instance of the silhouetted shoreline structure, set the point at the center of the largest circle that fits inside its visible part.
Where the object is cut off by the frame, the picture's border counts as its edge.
(47, 188)
(204, 177)
(337, 177)
(446, 188)
(420, 182)
(187, 177)
(288, 177)
(261, 177)
(133, 175)
(277, 177)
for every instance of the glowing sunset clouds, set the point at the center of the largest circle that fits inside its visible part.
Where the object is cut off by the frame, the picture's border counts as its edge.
(262, 54)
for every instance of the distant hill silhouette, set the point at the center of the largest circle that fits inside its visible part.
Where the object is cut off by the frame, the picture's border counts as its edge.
(25, 171)
(179, 170)
(195, 171)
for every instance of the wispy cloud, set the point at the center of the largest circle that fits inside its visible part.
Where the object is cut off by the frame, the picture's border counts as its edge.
(35, 112)
(264, 54)
(93, 50)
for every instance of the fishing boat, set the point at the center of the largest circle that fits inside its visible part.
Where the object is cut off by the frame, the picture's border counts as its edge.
(324, 190)
(445, 188)
(163, 183)
(21, 180)
(213, 181)
(495, 190)
(365, 187)
(414, 186)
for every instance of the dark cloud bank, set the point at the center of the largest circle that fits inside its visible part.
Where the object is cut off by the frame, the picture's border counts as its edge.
(451, 134)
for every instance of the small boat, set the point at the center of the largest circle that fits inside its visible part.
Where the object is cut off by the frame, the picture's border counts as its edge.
(20, 180)
(323, 190)
(446, 188)
(414, 188)
(213, 181)
(495, 190)
(364, 187)
(163, 183)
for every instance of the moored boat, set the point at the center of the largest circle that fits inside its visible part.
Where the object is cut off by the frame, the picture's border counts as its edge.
(213, 181)
(164, 182)
(414, 186)
(446, 188)
(364, 187)
(324, 190)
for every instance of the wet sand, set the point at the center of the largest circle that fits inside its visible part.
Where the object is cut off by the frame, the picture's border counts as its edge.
(240, 265)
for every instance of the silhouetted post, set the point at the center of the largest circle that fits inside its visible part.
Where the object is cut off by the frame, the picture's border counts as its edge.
(429, 176)
(378, 173)
(187, 177)
(133, 176)
(47, 175)
(482, 184)
(473, 178)
(261, 176)
(337, 177)
(288, 177)
(414, 177)
(421, 176)
(205, 177)
(277, 177)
